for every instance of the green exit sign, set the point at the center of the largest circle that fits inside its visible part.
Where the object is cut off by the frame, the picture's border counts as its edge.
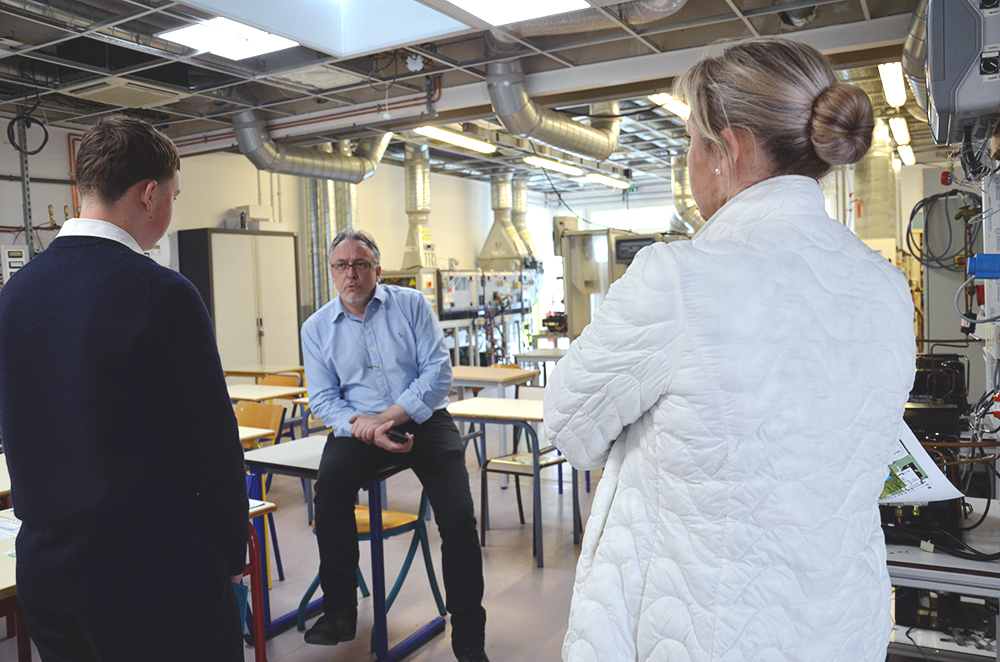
(632, 189)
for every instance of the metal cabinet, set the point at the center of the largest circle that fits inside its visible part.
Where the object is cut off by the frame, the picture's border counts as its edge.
(249, 281)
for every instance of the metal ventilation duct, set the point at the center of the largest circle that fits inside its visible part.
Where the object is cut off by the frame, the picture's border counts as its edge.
(521, 116)
(686, 217)
(419, 250)
(503, 249)
(345, 197)
(519, 213)
(915, 54)
(256, 145)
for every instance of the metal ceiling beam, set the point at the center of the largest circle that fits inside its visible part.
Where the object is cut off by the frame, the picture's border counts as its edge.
(746, 21)
(624, 26)
(83, 32)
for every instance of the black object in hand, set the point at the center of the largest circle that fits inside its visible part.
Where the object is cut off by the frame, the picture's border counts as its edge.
(397, 436)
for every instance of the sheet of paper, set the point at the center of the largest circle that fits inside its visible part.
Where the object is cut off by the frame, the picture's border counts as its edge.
(9, 528)
(255, 503)
(913, 476)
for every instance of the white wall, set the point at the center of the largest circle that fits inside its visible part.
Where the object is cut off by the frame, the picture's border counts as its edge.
(212, 184)
(51, 163)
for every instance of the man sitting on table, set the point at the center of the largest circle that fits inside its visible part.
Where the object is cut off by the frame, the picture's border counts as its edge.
(125, 463)
(375, 360)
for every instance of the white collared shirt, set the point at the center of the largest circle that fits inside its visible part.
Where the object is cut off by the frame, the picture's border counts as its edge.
(91, 227)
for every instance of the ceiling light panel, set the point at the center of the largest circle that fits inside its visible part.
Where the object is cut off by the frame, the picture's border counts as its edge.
(549, 164)
(900, 131)
(513, 11)
(906, 154)
(228, 39)
(892, 83)
(456, 139)
(598, 178)
(674, 105)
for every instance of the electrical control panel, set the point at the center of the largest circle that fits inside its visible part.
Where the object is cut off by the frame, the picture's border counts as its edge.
(963, 68)
(424, 279)
(503, 286)
(459, 290)
(12, 258)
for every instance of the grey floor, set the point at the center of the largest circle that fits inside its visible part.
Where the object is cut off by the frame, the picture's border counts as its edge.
(526, 606)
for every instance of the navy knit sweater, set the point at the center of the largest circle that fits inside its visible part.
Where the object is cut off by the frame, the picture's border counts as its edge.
(126, 467)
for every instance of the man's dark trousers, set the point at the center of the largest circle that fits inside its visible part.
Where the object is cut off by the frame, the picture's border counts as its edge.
(438, 459)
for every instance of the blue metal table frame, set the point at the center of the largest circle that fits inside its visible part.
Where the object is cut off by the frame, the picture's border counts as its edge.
(300, 458)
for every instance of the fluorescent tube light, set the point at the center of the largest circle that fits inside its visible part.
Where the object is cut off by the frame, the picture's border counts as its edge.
(892, 83)
(512, 11)
(553, 165)
(598, 178)
(900, 132)
(457, 139)
(228, 39)
(676, 106)
(906, 154)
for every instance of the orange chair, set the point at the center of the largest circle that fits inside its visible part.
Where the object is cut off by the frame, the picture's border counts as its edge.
(270, 417)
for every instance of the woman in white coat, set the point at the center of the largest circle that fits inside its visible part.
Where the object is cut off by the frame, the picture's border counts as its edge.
(742, 392)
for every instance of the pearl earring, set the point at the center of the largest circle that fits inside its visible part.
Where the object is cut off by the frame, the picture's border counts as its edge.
(718, 171)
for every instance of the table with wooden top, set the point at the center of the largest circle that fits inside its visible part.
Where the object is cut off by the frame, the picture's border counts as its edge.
(262, 393)
(301, 458)
(522, 413)
(542, 356)
(248, 433)
(10, 606)
(4, 483)
(258, 372)
(467, 377)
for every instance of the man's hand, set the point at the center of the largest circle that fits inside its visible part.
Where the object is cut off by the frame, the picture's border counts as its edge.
(384, 442)
(363, 426)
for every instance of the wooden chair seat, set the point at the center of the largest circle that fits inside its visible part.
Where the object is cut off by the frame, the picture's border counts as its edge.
(521, 463)
(390, 520)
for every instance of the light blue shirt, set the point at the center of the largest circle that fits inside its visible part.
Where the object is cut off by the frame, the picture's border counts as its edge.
(395, 355)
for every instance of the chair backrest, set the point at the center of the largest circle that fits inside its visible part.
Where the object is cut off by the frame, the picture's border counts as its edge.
(525, 392)
(281, 379)
(259, 415)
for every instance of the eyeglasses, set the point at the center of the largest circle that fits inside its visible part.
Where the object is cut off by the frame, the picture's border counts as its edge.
(359, 267)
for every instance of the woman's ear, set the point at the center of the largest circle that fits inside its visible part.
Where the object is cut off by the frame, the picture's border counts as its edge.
(737, 142)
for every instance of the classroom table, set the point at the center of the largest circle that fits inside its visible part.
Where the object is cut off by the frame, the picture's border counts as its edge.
(913, 567)
(300, 458)
(4, 482)
(260, 392)
(258, 372)
(541, 356)
(10, 606)
(521, 413)
(248, 433)
(499, 378)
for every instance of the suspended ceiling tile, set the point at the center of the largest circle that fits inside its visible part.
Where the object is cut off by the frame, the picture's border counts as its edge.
(344, 28)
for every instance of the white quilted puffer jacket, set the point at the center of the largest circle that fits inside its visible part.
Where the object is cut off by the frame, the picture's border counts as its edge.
(742, 391)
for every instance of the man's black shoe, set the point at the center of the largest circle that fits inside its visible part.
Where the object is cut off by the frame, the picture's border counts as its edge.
(472, 654)
(334, 627)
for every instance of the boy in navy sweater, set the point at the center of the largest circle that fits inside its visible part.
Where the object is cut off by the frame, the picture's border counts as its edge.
(126, 468)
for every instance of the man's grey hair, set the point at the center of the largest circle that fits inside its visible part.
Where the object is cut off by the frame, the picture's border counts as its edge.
(359, 236)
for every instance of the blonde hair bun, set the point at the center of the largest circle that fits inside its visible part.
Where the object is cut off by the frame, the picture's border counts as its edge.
(842, 124)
